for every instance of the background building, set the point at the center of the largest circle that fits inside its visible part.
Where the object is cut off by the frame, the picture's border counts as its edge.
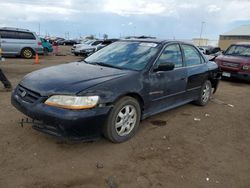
(200, 41)
(239, 34)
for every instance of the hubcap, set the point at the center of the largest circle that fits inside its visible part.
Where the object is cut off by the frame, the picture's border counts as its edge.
(206, 93)
(27, 53)
(125, 120)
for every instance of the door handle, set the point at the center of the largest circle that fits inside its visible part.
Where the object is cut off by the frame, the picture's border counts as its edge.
(184, 78)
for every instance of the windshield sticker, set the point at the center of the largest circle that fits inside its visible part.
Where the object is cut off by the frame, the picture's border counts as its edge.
(147, 44)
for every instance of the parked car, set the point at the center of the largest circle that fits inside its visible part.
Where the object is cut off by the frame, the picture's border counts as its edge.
(88, 48)
(208, 50)
(47, 46)
(105, 43)
(20, 42)
(81, 44)
(113, 89)
(57, 41)
(67, 42)
(235, 61)
(95, 47)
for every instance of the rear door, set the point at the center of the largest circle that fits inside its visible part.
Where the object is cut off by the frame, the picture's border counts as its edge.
(197, 71)
(168, 87)
(27, 39)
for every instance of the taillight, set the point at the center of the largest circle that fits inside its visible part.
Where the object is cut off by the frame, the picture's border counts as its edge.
(39, 43)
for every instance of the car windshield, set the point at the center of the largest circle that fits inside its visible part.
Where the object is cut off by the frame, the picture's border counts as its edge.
(125, 55)
(237, 50)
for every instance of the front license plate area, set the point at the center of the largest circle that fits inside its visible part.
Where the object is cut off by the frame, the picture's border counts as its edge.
(226, 74)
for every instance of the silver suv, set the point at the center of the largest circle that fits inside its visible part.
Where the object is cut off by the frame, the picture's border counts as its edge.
(21, 42)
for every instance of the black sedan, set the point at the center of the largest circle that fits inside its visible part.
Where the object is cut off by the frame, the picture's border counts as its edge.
(112, 90)
(67, 42)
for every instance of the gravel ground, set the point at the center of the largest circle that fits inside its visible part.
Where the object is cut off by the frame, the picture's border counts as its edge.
(190, 146)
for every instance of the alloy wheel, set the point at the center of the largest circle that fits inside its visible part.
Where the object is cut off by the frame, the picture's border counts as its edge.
(126, 120)
(206, 93)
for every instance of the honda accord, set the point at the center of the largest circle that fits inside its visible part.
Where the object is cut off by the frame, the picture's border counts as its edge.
(112, 90)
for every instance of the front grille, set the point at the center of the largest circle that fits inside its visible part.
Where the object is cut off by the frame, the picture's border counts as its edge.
(27, 95)
(231, 65)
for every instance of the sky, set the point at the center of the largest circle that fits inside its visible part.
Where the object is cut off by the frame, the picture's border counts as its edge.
(168, 19)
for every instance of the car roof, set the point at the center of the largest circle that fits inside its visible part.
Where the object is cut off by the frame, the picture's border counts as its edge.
(158, 41)
(14, 29)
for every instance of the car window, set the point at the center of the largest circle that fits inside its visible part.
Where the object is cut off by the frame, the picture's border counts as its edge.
(8, 34)
(192, 56)
(26, 36)
(171, 54)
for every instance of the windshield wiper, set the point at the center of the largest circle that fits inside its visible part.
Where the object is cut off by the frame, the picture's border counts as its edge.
(84, 61)
(105, 65)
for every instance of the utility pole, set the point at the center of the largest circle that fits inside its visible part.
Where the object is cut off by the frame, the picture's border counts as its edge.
(202, 23)
(39, 29)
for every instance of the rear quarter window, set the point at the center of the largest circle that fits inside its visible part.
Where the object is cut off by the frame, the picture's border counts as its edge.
(192, 55)
(26, 36)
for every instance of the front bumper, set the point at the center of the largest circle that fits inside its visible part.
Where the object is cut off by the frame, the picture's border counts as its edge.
(239, 75)
(81, 124)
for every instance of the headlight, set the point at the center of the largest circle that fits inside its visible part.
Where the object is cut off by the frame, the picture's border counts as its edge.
(246, 67)
(72, 102)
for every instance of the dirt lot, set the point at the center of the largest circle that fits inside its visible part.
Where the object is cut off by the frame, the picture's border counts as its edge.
(212, 151)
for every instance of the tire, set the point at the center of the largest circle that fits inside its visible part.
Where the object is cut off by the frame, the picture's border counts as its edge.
(27, 53)
(205, 93)
(126, 115)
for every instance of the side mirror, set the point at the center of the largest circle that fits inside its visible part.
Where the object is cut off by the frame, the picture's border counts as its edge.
(165, 67)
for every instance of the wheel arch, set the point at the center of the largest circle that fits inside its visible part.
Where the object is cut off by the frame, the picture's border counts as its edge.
(214, 78)
(134, 95)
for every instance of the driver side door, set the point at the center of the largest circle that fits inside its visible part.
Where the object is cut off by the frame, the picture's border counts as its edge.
(167, 88)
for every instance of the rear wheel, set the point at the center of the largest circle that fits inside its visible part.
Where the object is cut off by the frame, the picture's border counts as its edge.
(27, 53)
(205, 94)
(123, 120)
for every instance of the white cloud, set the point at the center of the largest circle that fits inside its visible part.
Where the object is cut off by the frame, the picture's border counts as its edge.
(185, 15)
(62, 9)
(130, 7)
(213, 8)
(34, 12)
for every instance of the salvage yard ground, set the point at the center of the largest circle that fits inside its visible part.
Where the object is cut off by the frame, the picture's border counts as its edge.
(190, 146)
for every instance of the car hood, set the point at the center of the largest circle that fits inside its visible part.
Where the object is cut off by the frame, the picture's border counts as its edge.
(233, 59)
(70, 78)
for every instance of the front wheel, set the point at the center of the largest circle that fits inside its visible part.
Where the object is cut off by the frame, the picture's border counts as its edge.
(205, 94)
(123, 120)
